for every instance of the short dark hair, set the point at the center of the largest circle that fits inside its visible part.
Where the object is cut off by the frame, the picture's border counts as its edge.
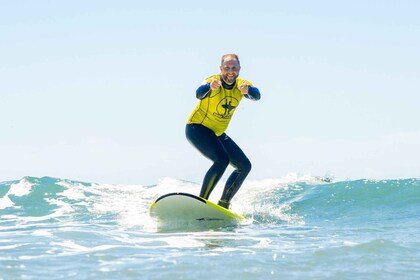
(235, 56)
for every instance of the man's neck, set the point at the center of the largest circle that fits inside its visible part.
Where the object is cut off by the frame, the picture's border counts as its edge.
(227, 86)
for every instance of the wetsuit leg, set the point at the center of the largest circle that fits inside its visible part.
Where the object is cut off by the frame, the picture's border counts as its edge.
(242, 166)
(211, 147)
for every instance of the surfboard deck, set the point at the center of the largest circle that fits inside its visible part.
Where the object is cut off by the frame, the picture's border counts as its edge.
(187, 210)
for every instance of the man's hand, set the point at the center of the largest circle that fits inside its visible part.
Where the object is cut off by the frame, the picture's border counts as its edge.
(243, 88)
(215, 84)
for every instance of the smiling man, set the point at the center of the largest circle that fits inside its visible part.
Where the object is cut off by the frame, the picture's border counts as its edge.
(219, 96)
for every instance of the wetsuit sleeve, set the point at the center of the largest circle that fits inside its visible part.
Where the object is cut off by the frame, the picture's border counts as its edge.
(202, 91)
(253, 93)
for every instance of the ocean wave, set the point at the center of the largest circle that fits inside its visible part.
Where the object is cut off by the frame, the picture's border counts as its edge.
(293, 200)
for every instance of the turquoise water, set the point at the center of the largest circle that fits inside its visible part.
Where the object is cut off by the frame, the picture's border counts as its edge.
(296, 228)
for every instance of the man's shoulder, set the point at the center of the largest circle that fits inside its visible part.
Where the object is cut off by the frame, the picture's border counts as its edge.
(211, 78)
(243, 81)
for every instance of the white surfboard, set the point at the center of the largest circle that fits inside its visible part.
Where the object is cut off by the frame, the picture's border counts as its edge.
(187, 210)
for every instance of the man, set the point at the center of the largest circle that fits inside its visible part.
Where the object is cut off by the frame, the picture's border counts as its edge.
(219, 96)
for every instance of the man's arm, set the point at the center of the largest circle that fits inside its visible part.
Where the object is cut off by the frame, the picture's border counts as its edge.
(203, 91)
(206, 88)
(253, 93)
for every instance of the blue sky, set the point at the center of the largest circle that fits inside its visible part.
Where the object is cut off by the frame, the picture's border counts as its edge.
(100, 91)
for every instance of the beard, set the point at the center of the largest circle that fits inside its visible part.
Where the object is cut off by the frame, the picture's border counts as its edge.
(229, 79)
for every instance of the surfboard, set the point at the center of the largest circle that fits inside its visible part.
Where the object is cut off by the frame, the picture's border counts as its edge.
(187, 210)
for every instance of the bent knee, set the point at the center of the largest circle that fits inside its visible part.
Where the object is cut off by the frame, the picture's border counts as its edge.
(248, 166)
(245, 166)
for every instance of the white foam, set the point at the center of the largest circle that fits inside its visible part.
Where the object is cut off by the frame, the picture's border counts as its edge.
(9, 247)
(22, 188)
(5, 202)
(70, 246)
(248, 200)
(182, 242)
(42, 232)
(72, 192)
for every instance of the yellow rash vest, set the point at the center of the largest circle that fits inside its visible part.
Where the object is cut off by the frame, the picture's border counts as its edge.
(215, 110)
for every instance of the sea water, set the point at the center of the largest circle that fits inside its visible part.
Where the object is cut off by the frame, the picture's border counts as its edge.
(297, 227)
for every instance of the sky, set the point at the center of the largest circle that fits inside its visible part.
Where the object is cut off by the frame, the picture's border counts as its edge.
(100, 91)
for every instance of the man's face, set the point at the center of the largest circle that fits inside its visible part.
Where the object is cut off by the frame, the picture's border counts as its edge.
(230, 70)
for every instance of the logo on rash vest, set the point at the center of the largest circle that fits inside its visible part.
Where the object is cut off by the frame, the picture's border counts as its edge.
(226, 107)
